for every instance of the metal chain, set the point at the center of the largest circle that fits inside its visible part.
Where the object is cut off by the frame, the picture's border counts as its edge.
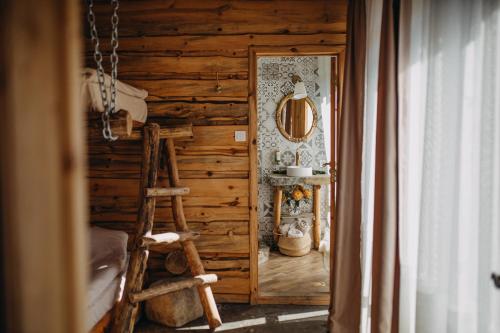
(108, 104)
(114, 56)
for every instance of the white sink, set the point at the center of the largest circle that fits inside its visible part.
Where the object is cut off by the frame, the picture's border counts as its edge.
(298, 171)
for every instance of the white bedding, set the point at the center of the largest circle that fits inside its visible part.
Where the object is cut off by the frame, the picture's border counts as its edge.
(107, 266)
(105, 301)
(128, 98)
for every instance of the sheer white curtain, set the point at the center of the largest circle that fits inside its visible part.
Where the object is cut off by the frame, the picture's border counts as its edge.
(373, 25)
(449, 77)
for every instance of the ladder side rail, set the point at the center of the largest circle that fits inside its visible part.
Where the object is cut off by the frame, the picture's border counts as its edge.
(196, 266)
(126, 311)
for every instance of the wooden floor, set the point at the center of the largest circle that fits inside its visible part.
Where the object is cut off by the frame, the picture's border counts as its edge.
(293, 276)
(244, 318)
(279, 276)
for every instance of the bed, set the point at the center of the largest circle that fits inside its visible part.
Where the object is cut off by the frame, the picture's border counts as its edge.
(108, 265)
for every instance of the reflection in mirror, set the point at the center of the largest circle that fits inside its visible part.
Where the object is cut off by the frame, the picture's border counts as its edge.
(296, 119)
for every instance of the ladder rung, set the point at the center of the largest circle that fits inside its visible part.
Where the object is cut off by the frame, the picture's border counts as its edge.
(169, 238)
(168, 287)
(165, 191)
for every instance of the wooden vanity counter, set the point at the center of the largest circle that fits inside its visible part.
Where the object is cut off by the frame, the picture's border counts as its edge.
(278, 181)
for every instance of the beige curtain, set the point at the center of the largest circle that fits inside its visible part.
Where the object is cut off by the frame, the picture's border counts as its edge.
(385, 259)
(345, 281)
(345, 307)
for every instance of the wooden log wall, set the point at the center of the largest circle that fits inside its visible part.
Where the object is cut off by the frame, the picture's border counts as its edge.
(175, 50)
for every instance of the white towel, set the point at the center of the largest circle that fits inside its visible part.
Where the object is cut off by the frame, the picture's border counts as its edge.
(324, 248)
(303, 226)
(295, 233)
(284, 229)
(128, 98)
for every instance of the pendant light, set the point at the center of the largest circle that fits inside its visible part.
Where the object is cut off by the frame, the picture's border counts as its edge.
(299, 91)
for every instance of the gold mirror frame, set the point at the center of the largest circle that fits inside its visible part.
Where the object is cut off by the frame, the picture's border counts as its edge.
(280, 125)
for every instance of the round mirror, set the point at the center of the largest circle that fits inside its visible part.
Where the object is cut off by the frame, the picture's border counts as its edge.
(296, 119)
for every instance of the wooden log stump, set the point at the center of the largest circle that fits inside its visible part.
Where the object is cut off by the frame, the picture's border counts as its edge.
(121, 125)
(176, 262)
(174, 309)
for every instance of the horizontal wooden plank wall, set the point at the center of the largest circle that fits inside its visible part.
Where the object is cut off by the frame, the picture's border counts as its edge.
(175, 50)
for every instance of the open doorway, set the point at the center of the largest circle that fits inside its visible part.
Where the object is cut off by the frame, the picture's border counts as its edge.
(296, 106)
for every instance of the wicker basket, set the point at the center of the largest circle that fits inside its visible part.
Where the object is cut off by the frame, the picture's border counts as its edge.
(295, 247)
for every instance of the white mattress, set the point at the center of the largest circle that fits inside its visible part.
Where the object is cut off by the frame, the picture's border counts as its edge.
(107, 266)
(105, 301)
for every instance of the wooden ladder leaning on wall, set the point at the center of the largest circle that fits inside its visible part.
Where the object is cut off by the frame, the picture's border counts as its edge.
(126, 310)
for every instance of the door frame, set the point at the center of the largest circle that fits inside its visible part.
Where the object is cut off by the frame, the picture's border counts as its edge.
(260, 51)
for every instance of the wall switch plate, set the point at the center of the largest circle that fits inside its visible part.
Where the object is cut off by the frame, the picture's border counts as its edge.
(240, 136)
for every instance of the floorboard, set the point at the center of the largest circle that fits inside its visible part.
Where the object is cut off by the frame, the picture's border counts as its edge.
(293, 276)
(240, 318)
(280, 275)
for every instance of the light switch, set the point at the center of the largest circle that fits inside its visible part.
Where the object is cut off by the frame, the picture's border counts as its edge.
(240, 136)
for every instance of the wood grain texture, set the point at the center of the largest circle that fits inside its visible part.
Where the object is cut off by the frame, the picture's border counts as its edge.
(215, 45)
(120, 124)
(200, 113)
(232, 298)
(175, 262)
(147, 65)
(174, 89)
(169, 287)
(125, 311)
(42, 169)
(253, 176)
(226, 17)
(194, 214)
(175, 49)
(294, 276)
(198, 187)
(294, 300)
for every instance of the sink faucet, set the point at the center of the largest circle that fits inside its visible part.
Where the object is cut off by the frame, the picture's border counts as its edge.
(297, 157)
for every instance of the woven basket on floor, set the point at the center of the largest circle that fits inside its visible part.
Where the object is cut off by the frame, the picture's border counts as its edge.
(295, 247)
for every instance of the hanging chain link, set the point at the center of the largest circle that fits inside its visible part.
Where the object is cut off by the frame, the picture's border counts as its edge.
(109, 104)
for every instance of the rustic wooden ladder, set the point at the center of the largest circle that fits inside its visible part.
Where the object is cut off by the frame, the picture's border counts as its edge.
(126, 310)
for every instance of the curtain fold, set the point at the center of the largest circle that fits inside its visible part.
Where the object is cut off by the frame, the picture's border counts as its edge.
(449, 74)
(419, 169)
(365, 271)
(385, 257)
(345, 282)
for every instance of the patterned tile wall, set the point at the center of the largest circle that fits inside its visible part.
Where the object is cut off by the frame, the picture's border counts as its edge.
(274, 82)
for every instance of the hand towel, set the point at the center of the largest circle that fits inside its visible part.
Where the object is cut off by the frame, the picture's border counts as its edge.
(295, 233)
